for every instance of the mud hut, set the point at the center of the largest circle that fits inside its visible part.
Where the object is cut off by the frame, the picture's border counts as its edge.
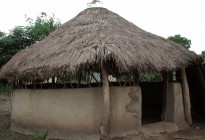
(97, 62)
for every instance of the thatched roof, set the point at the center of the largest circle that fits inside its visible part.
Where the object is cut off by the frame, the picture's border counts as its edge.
(93, 35)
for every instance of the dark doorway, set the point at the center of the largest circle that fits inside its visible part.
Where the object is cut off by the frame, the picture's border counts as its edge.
(152, 100)
(196, 81)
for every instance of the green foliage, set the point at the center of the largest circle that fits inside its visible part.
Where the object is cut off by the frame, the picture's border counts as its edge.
(203, 55)
(7, 122)
(181, 40)
(125, 78)
(41, 27)
(2, 34)
(21, 37)
(12, 43)
(151, 77)
(5, 90)
(41, 134)
(143, 77)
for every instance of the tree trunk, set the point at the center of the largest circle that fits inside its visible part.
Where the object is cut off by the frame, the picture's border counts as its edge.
(186, 97)
(105, 127)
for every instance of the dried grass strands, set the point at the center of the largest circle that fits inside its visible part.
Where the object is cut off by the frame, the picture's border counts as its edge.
(93, 35)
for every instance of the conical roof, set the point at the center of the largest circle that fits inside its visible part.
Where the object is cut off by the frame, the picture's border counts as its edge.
(94, 35)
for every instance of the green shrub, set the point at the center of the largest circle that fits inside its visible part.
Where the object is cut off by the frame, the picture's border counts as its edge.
(41, 134)
(5, 90)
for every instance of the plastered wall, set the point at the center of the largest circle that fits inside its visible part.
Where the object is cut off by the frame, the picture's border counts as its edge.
(76, 113)
(174, 104)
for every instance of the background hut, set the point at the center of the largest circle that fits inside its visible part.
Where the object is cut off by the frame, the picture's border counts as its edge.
(100, 45)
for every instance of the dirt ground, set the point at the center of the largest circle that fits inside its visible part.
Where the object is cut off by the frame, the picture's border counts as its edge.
(196, 132)
(5, 113)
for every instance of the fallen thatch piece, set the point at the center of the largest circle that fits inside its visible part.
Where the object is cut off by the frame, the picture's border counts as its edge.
(95, 35)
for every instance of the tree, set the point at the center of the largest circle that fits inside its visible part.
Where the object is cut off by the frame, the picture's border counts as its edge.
(181, 40)
(2, 34)
(203, 55)
(41, 27)
(11, 44)
(21, 37)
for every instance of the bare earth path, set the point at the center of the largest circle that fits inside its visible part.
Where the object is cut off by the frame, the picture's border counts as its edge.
(5, 113)
(196, 132)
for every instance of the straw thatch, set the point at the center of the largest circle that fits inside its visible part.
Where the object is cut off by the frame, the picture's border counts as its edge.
(94, 35)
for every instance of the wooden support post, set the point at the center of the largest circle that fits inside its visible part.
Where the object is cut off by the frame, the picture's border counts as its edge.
(105, 127)
(186, 97)
(34, 84)
(53, 82)
(91, 74)
(165, 92)
(79, 79)
(136, 79)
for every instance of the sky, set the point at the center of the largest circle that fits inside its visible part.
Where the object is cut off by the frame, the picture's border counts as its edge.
(161, 17)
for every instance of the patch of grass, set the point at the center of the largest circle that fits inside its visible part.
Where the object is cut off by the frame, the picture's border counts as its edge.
(41, 134)
(13, 136)
(7, 122)
(5, 90)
